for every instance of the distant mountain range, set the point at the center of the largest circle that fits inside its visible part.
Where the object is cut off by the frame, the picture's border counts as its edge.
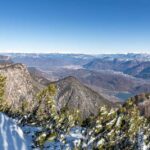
(5, 59)
(111, 84)
(115, 76)
(135, 68)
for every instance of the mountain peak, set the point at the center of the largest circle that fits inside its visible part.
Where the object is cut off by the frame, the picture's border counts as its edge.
(72, 94)
(70, 79)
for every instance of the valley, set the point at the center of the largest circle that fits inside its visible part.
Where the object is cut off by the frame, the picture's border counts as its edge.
(106, 74)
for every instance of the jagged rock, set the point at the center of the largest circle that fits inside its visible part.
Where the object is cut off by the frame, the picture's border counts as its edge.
(18, 85)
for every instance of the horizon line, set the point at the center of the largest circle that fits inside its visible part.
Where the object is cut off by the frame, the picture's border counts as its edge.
(126, 53)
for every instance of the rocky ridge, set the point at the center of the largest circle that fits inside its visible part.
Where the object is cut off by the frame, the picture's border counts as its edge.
(18, 84)
(72, 94)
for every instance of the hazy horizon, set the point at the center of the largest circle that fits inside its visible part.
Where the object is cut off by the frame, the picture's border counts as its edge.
(28, 52)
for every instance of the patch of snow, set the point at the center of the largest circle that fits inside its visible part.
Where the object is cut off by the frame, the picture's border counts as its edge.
(71, 140)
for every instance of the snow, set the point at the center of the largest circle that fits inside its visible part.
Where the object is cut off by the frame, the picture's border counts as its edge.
(111, 122)
(11, 136)
(14, 137)
(100, 142)
(73, 138)
(29, 134)
(119, 121)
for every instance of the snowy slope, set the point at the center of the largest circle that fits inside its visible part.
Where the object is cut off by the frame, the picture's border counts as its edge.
(11, 136)
(14, 137)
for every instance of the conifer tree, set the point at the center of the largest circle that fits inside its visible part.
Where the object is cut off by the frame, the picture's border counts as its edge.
(124, 128)
(58, 124)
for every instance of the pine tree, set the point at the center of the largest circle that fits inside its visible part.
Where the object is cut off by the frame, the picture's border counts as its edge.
(117, 129)
(58, 124)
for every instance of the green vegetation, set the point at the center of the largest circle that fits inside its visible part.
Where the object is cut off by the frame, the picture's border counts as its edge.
(46, 104)
(56, 123)
(25, 105)
(3, 102)
(118, 129)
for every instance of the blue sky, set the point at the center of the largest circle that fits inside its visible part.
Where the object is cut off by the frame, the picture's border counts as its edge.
(75, 26)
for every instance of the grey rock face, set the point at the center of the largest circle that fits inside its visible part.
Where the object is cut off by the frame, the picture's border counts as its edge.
(72, 94)
(18, 84)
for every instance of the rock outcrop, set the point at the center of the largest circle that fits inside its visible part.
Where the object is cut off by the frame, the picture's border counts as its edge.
(18, 86)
